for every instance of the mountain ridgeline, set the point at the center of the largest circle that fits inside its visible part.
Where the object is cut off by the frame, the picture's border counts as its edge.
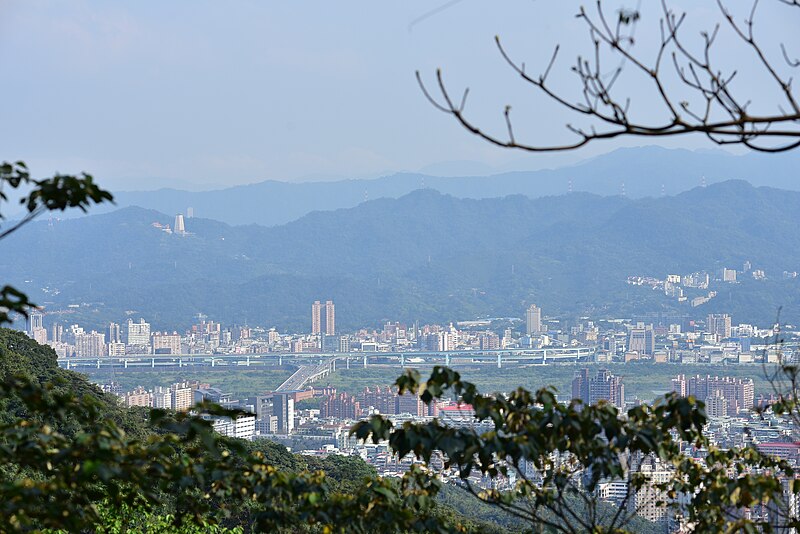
(425, 256)
(639, 172)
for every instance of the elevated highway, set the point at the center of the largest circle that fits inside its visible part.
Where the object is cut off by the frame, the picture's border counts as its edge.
(498, 358)
(306, 374)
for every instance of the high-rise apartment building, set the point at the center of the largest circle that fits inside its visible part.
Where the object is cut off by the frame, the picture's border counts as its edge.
(323, 323)
(90, 345)
(409, 403)
(716, 405)
(138, 333)
(39, 335)
(283, 409)
(381, 399)
(166, 343)
(162, 398)
(35, 320)
(388, 401)
(719, 324)
(603, 386)
(116, 349)
(330, 318)
(341, 406)
(182, 396)
(489, 341)
(533, 320)
(242, 427)
(642, 339)
(57, 333)
(273, 336)
(440, 341)
(580, 385)
(649, 500)
(113, 333)
(316, 317)
(737, 393)
(138, 397)
(36, 328)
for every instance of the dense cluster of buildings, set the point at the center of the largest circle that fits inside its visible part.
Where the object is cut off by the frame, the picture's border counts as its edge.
(695, 288)
(320, 418)
(723, 396)
(374, 400)
(659, 337)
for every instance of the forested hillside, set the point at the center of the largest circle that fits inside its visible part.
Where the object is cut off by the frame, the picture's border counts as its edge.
(138, 473)
(425, 256)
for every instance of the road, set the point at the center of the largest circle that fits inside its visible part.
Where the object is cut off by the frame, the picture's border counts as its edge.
(143, 362)
(303, 375)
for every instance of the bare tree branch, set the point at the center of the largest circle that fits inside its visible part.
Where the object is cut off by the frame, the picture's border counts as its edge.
(722, 115)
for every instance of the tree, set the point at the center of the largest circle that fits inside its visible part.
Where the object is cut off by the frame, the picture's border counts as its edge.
(694, 91)
(67, 464)
(564, 456)
(571, 450)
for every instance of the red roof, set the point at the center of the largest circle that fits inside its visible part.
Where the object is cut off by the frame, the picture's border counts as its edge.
(456, 407)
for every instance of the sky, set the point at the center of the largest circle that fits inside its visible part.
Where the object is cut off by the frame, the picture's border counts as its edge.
(206, 94)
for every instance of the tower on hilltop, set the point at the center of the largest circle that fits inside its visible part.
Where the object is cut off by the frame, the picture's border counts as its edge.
(180, 228)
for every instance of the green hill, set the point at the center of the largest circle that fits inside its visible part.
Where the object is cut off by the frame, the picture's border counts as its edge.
(425, 256)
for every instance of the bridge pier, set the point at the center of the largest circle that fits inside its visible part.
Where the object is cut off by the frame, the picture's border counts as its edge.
(126, 363)
(365, 361)
(248, 360)
(213, 362)
(67, 364)
(499, 360)
(280, 360)
(153, 363)
(544, 356)
(98, 363)
(347, 362)
(447, 360)
(403, 360)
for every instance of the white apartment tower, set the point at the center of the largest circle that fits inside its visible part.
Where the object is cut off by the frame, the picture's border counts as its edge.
(138, 333)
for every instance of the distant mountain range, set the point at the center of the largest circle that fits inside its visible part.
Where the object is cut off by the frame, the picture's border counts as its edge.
(638, 172)
(424, 256)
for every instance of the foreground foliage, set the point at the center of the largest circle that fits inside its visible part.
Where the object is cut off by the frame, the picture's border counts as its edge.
(67, 463)
(57, 193)
(562, 454)
(71, 460)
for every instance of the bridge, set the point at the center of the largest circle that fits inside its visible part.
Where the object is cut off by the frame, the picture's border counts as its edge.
(499, 358)
(306, 374)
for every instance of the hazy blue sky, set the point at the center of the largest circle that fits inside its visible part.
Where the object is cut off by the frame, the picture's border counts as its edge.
(212, 93)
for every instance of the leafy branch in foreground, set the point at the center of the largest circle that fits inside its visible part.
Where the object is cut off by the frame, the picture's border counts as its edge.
(57, 193)
(563, 455)
(52, 481)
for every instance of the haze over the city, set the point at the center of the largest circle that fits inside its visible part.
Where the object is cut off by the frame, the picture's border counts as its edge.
(200, 95)
(449, 266)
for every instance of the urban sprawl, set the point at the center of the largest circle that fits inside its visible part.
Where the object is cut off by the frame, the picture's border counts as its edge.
(316, 419)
